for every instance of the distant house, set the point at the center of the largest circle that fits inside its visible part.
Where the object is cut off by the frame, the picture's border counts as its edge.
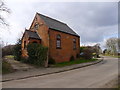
(61, 40)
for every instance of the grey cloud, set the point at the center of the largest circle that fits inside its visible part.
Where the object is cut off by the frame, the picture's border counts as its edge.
(92, 21)
(95, 14)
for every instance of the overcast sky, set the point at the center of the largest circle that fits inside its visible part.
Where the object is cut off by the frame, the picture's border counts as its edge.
(93, 21)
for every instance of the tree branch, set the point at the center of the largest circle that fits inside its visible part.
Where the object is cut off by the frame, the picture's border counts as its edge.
(3, 8)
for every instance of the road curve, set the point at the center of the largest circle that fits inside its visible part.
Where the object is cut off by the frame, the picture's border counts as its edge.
(94, 76)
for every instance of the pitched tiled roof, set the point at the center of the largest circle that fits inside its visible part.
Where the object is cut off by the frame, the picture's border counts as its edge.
(32, 34)
(57, 25)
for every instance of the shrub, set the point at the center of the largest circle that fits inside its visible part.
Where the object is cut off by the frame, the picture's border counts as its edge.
(82, 48)
(7, 50)
(17, 52)
(94, 55)
(37, 54)
(87, 53)
(51, 61)
(72, 58)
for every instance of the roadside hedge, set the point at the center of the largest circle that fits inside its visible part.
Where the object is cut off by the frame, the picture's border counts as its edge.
(86, 52)
(7, 50)
(17, 52)
(37, 54)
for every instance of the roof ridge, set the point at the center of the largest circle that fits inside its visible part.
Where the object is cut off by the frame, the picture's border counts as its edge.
(51, 18)
(57, 25)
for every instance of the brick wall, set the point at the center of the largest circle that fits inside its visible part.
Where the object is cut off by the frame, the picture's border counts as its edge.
(34, 40)
(24, 51)
(42, 30)
(66, 51)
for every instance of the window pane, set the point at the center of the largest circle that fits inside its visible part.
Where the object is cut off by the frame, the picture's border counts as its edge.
(74, 43)
(74, 40)
(36, 26)
(58, 43)
(58, 37)
(74, 46)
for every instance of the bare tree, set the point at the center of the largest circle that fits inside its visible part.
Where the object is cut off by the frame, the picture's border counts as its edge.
(112, 45)
(3, 9)
(97, 49)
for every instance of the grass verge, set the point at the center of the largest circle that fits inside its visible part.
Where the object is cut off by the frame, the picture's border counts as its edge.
(77, 61)
(115, 56)
(9, 56)
(6, 67)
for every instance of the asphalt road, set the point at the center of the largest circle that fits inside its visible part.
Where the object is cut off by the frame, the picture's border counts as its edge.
(94, 76)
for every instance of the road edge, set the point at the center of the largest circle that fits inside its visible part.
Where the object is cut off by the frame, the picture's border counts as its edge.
(59, 71)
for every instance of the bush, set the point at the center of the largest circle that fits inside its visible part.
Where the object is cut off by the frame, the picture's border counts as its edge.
(17, 52)
(94, 55)
(51, 61)
(82, 48)
(7, 50)
(37, 54)
(72, 58)
(87, 53)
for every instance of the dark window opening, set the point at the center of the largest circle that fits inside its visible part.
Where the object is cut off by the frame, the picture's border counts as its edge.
(74, 43)
(58, 41)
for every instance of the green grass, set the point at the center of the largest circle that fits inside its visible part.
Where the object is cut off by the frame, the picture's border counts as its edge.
(77, 61)
(115, 56)
(6, 68)
(9, 56)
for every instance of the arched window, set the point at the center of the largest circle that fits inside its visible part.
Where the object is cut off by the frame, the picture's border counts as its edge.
(74, 43)
(58, 41)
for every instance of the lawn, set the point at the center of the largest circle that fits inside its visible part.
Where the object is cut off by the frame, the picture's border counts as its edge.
(77, 61)
(9, 56)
